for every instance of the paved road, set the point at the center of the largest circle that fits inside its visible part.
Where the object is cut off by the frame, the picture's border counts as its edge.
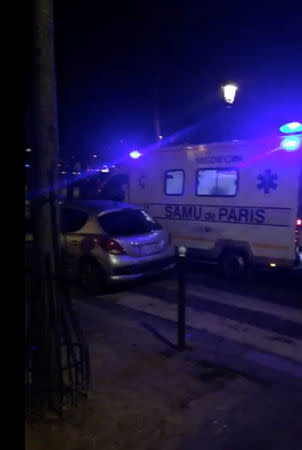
(260, 318)
(278, 286)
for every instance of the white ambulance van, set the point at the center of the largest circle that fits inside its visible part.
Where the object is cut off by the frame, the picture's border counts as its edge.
(238, 203)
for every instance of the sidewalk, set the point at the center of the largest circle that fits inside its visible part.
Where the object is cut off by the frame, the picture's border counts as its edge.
(146, 396)
(270, 420)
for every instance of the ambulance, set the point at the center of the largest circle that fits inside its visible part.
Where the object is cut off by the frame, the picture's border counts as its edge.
(238, 203)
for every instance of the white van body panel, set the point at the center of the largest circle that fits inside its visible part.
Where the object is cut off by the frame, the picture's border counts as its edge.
(260, 217)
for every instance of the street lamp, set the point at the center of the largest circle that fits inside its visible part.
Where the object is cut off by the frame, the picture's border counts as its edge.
(229, 92)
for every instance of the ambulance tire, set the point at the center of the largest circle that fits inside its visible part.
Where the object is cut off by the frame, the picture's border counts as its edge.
(234, 264)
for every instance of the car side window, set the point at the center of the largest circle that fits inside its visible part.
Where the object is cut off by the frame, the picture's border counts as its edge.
(72, 220)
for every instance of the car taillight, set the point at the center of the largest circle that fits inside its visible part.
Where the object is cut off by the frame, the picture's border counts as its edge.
(111, 246)
(298, 223)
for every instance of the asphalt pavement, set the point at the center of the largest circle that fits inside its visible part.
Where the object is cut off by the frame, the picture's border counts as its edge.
(268, 420)
(237, 384)
(253, 326)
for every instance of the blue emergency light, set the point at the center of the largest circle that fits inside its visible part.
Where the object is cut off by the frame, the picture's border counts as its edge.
(292, 127)
(135, 154)
(291, 143)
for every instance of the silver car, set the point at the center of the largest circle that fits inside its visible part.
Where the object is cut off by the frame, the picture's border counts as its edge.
(106, 242)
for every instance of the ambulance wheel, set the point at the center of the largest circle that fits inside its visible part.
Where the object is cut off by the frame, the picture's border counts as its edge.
(234, 264)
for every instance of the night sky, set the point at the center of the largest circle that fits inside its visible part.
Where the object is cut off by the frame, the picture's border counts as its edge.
(110, 57)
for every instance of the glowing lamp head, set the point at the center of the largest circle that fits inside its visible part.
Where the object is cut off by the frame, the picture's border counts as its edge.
(229, 92)
(299, 222)
(291, 143)
(135, 154)
(292, 127)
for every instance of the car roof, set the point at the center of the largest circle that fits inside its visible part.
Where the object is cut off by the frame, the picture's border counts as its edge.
(97, 206)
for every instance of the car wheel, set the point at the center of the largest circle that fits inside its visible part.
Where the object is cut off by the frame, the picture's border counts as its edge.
(92, 277)
(234, 265)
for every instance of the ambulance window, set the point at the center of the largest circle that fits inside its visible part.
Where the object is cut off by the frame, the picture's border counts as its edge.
(217, 182)
(174, 182)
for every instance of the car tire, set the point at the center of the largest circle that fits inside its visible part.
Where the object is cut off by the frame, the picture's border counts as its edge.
(92, 277)
(234, 265)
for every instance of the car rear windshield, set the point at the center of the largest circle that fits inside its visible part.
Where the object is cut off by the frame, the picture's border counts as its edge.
(128, 222)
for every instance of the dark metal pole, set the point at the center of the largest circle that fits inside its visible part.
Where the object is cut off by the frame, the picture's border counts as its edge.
(156, 112)
(181, 267)
(44, 311)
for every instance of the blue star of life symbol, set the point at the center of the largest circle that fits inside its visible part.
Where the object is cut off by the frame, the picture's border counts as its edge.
(267, 181)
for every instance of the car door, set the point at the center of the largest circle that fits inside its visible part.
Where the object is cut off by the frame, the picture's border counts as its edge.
(72, 221)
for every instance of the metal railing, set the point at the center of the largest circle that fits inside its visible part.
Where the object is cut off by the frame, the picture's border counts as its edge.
(56, 353)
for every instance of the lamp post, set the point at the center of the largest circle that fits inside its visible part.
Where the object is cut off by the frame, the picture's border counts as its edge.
(229, 91)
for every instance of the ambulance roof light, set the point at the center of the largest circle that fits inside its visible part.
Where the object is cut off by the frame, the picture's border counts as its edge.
(291, 143)
(292, 127)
